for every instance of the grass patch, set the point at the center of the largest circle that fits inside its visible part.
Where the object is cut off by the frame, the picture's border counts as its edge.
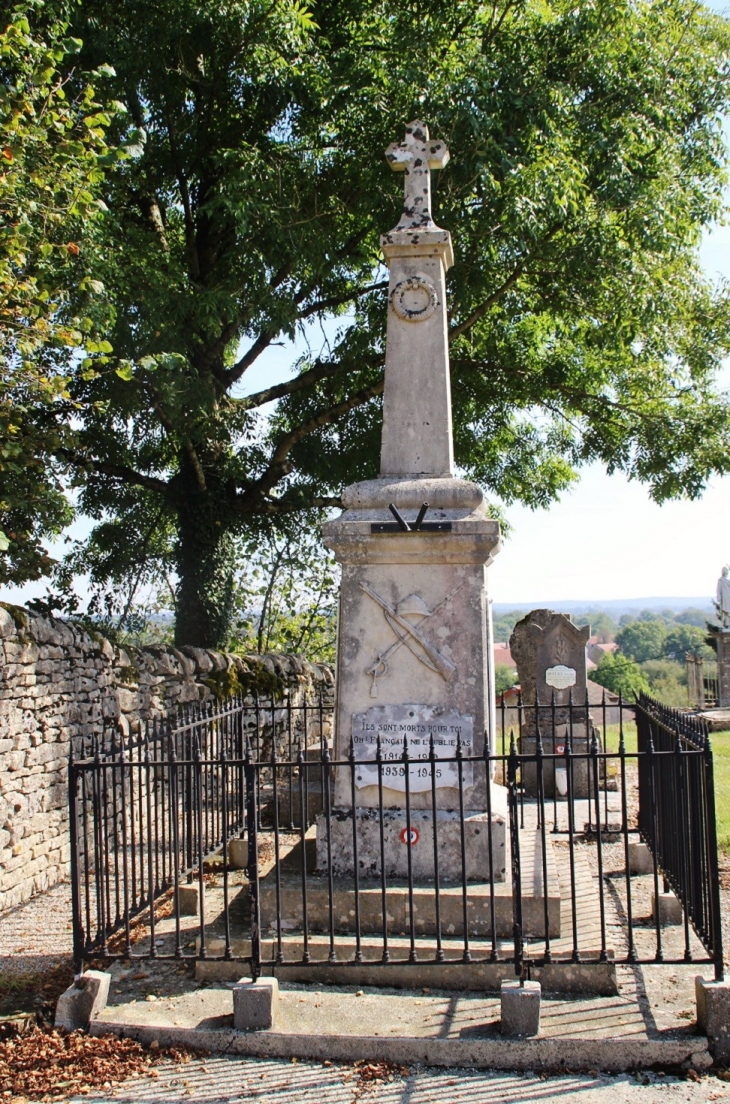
(721, 756)
(611, 738)
(721, 759)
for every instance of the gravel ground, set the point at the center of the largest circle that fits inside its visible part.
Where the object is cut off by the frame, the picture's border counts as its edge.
(35, 946)
(35, 952)
(268, 1081)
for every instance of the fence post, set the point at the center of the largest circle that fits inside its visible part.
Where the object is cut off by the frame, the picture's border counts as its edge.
(713, 869)
(77, 922)
(253, 860)
(513, 804)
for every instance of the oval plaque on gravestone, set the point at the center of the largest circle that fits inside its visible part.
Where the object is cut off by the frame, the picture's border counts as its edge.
(561, 677)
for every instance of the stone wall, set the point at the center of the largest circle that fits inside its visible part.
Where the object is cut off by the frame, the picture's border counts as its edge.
(59, 682)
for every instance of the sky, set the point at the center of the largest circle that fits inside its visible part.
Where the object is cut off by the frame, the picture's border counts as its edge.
(605, 539)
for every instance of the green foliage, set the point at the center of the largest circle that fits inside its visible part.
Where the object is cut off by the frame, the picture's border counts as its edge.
(225, 684)
(286, 598)
(686, 638)
(53, 157)
(721, 755)
(587, 159)
(642, 640)
(662, 638)
(602, 624)
(504, 677)
(258, 679)
(620, 675)
(19, 616)
(667, 681)
(504, 623)
(692, 616)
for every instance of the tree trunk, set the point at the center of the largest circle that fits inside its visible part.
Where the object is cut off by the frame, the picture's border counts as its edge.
(205, 558)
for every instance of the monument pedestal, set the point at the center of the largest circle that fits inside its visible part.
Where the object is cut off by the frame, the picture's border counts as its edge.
(412, 670)
(337, 846)
(280, 894)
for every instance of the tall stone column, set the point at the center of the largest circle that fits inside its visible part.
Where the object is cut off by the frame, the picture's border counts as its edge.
(413, 642)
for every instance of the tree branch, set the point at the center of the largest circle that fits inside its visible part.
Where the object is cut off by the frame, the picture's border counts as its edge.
(266, 337)
(190, 240)
(339, 300)
(482, 309)
(254, 351)
(495, 27)
(187, 442)
(150, 208)
(280, 465)
(117, 471)
(286, 505)
(321, 370)
(511, 280)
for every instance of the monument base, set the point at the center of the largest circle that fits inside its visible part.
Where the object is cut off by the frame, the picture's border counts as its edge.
(554, 770)
(473, 835)
(280, 894)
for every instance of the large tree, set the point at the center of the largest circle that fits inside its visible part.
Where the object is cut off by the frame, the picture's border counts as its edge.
(587, 158)
(53, 158)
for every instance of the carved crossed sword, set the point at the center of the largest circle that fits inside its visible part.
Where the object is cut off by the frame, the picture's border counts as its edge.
(409, 635)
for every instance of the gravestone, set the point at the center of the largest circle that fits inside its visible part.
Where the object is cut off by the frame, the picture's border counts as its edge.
(413, 640)
(550, 653)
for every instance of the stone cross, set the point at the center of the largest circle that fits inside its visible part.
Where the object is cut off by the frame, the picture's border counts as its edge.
(416, 156)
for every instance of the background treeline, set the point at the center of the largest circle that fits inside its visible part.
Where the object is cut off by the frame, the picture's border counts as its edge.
(651, 649)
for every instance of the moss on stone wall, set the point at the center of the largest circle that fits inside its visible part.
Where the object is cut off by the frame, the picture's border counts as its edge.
(255, 678)
(20, 618)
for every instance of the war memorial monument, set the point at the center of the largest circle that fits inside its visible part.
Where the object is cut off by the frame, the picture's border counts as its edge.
(439, 857)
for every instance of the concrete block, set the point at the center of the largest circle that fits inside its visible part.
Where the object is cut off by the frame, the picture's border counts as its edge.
(640, 859)
(255, 1004)
(670, 909)
(713, 1015)
(189, 900)
(83, 1000)
(238, 854)
(520, 1007)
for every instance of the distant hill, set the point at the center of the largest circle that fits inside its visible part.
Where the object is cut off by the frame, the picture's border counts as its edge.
(616, 607)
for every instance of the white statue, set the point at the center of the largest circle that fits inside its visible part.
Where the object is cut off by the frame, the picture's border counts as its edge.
(723, 598)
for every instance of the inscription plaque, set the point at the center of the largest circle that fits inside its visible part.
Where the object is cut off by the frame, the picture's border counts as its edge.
(395, 724)
(561, 677)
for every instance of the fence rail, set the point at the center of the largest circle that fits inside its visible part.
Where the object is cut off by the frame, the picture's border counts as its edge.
(472, 870)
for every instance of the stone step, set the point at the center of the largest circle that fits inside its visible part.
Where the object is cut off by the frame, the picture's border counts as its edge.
(480, 974)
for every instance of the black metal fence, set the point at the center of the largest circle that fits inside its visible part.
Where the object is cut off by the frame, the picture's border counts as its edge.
(147, 813)
(677, 817)
(521, 853)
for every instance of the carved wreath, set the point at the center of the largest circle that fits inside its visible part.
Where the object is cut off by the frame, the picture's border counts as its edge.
(421, 289)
